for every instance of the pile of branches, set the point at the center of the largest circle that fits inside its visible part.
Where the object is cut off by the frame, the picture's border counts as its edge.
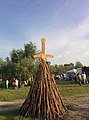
(43, 100)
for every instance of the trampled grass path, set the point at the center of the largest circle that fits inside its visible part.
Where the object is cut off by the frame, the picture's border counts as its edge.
(16, 102)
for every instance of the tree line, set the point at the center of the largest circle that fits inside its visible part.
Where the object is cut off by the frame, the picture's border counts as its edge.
(21, 63)
(61, 69)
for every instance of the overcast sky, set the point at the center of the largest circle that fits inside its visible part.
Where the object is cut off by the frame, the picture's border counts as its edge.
(64, 24)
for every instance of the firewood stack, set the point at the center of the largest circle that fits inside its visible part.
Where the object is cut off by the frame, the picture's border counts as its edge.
(43, 100)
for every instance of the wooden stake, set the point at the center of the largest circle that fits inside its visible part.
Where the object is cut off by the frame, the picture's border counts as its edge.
(43, 55)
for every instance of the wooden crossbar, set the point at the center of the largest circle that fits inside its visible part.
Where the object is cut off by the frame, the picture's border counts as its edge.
(43, 55)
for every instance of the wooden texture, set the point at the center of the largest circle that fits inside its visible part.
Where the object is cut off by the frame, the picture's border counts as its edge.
(43, 55)
(43, 100)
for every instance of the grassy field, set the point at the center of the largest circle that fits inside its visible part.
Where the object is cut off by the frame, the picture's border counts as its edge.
(69, 89)
(65, 88)
(13, 94)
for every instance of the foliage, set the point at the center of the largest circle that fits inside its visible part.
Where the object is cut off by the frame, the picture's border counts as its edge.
(78, 64)
(64, 68)
(20, 64)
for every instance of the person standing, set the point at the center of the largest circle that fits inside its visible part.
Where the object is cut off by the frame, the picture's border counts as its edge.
(84, 78)
(74, 77)
(16, 82)
(87, 78)
(7, 82)
(79, 75)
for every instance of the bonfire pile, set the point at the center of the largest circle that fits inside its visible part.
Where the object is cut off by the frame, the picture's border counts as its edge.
(43, 100)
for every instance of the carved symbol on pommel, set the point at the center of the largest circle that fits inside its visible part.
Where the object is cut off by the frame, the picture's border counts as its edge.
(43, 55)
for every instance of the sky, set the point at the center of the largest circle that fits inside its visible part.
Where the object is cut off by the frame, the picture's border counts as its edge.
(63, 23)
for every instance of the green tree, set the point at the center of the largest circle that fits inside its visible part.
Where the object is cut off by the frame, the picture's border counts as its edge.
(29, 50)
(78, 65)
(23, 61)
(16, 55)
(1, 70)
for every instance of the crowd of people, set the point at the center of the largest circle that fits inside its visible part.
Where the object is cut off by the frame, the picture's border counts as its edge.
(80, 78)
(59, 77)
(15, 83)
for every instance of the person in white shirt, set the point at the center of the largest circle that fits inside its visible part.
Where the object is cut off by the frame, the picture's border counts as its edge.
(7, 82)
(16, 83)
(84, 78)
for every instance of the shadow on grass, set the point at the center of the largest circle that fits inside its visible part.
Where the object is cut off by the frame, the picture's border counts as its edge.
(77, 108)
(8, 113)
(11, 112)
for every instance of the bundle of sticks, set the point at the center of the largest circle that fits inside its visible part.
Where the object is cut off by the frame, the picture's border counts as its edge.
(43, 100)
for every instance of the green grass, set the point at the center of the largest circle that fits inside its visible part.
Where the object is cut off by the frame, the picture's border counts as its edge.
(66, 89)
(69, 89)
(12, 114)
(13, 94)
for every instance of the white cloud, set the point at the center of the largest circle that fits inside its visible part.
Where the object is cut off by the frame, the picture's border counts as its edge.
(72, 44)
